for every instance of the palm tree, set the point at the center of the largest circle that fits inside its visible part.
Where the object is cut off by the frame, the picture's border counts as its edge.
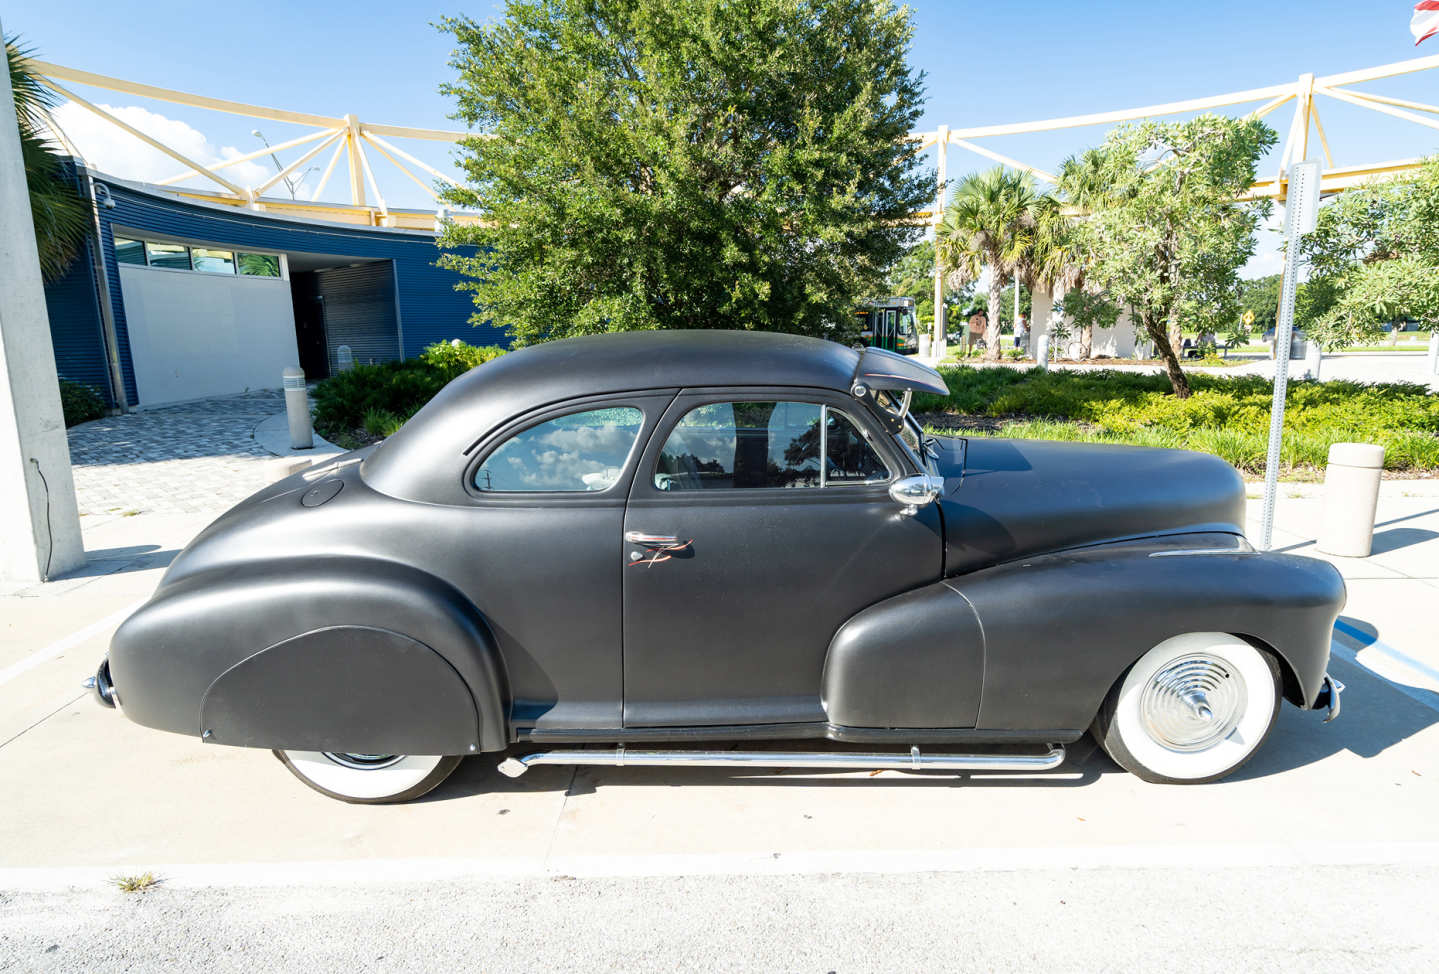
(61, 216)
(1081, 184)
(989, 222)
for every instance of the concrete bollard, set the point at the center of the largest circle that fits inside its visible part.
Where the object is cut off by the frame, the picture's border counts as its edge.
(1312, 360)
(1041, 353)
(297, 409)
(344, 359)
(1351, 495)
(1434, 353)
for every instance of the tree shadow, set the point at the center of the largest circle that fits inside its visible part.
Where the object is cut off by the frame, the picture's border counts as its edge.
(115, 561)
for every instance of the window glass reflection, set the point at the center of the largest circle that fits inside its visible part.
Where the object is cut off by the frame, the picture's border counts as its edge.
(580, 452)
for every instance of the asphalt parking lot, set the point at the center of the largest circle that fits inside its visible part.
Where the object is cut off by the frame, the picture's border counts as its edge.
(1325, 847)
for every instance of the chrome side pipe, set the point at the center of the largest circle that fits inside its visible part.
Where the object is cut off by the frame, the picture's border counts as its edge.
(620, 756)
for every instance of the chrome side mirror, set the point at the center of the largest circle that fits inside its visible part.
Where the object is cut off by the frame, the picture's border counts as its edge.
(916, 492)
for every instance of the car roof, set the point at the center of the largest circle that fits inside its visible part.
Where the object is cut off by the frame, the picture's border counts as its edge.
(539, 375)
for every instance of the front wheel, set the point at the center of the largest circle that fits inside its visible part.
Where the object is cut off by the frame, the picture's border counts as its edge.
(369, 779)
(1192, 709)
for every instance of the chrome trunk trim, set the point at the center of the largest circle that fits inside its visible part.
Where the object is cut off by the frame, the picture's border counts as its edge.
(621, 756)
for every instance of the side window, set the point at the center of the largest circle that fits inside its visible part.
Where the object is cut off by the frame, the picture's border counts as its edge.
(849, 456)
(736, 445)
(579, 452)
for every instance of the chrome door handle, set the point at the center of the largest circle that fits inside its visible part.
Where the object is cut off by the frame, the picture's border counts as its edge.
(654, 540)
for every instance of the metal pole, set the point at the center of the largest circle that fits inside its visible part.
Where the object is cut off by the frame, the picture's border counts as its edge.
(1301, 206)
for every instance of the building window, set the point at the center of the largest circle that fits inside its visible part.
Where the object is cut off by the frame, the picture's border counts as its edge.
(260, 265)
(174, 256)
(213, 261)
(206, 260)
(129, 251)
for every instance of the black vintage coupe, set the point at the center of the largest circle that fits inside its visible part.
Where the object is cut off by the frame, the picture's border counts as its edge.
(725, 548)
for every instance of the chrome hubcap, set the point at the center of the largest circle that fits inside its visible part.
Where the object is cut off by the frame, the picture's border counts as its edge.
(1193, 703)
(363, 762)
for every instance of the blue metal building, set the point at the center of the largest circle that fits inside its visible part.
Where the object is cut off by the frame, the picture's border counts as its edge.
(186, 299)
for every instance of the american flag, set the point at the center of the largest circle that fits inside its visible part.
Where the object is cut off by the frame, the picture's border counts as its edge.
(1425, 22)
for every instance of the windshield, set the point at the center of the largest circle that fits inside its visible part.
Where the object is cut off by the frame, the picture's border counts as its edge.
(911, 434)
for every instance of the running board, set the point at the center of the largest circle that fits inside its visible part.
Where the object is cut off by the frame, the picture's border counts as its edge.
(621, 756)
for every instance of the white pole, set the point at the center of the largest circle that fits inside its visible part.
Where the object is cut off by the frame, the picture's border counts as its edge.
(941, 322)
(39, 520)
(1301, 207)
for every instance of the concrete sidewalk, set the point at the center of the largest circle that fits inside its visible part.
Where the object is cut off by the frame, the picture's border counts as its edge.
(190, 458)
(74, 771)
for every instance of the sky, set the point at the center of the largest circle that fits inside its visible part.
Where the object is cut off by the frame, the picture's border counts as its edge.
(984, 63)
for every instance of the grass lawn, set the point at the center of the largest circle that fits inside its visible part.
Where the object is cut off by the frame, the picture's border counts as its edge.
(1227, 415)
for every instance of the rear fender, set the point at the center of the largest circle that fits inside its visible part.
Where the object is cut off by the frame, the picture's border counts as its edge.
(167, 656)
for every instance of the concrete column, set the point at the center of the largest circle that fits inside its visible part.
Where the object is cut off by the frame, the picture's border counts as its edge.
(1041, 310)
(39, 520)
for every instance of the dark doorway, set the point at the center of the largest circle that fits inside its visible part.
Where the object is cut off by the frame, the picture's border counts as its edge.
(310, 324)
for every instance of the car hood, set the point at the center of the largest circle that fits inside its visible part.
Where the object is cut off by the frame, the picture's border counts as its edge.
(1006, 499)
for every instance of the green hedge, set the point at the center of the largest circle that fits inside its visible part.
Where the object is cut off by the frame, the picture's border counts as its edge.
(370, 402)
(81, 403)
(1226, 415)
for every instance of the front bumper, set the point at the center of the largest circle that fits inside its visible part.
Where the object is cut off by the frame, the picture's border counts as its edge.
(1329, 697)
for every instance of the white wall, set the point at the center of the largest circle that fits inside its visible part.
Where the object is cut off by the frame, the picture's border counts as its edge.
(194, 334)
(1116, 342)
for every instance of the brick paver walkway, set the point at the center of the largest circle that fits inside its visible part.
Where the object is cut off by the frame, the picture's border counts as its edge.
(194, 457)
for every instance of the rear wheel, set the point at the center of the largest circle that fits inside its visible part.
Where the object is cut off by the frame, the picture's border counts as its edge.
(369, 779)
(1192, 709)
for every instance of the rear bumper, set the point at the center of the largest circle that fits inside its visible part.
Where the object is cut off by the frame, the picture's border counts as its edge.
(101, 686)
(1328, 697)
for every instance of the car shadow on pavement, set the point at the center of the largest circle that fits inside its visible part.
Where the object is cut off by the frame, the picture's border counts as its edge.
(1376, 715)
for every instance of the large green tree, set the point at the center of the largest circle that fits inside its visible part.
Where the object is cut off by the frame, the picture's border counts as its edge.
(684, 163)
(1163, 219)
(1374, 257)
(989, 222)
(61, 217)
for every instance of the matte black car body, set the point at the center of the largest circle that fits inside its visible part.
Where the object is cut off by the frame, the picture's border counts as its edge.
(381, 604)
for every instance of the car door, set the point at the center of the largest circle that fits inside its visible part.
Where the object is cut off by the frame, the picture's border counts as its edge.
(749, 539)
(543, 542)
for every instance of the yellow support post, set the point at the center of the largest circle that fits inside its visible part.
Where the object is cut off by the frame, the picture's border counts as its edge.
(357, 176)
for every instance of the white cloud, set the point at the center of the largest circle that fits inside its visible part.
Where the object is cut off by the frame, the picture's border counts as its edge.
(112, 150)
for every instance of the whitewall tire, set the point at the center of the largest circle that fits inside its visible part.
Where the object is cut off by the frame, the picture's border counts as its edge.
(369, 779)
(1192, 709)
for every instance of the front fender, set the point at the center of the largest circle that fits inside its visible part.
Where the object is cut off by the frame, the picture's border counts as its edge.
(165, 658)
(1060, 629)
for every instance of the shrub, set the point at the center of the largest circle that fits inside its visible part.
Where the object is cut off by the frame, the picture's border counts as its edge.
(1226, 415)
(380, 423)
(81, 403)
(375, 400)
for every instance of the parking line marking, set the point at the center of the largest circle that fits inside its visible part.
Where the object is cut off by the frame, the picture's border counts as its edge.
(1299, 855)
(61, 646)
